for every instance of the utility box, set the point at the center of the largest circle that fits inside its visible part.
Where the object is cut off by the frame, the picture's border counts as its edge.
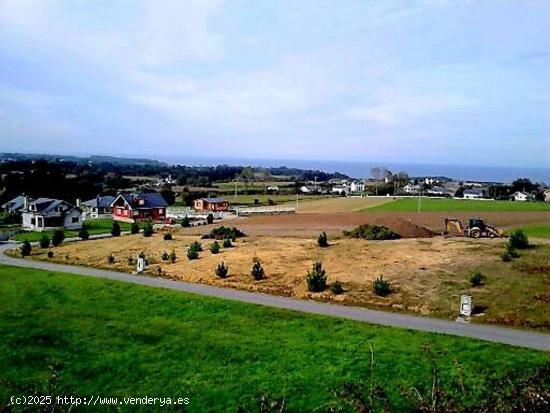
(466, 305)
(140, 265)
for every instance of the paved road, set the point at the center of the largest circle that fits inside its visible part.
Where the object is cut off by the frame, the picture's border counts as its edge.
(483, 332)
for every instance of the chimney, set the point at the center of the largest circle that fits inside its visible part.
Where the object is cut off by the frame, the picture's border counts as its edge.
(78, 202)
(25, 203)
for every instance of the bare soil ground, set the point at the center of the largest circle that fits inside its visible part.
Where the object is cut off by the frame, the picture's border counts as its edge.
(339, 204)
(427, 274)
(405, 223)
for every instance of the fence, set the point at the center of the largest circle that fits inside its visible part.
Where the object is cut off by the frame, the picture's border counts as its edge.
(242, 212)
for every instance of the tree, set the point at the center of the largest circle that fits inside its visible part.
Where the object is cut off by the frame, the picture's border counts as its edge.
(185, 222)
(322, 241)
(215, 247)
(210, 219)
(58, 237)
(44, 241)
(222, 270)
(257, 271)
(316, 278)
(26, 249)
(134, 229)
(83, 233)
(115, 229)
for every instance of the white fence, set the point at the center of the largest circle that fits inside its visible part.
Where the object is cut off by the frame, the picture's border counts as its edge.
(180, 212)
(273, 210)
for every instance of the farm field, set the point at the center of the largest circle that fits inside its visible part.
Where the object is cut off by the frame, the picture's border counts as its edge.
(427, 275)
(95, 226)
(537, 231)
(263, 199)
(338, 204)
(222, 355)
(457, 205)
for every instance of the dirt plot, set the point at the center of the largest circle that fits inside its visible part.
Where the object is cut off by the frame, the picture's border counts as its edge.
(339, 204)
(407, 224)
(427, 275)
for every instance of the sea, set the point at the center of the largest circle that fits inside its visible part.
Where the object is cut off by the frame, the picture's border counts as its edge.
(501, 174)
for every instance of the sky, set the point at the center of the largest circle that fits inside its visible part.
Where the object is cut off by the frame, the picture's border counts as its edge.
(459, 82)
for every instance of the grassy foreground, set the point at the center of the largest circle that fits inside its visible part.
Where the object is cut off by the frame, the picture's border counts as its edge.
(457, 205)
(95, 226)
(116, 339)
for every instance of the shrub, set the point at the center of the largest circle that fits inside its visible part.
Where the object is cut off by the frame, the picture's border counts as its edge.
(192, 254)
(185, 222)
(222, 270)
(130, 260)
(164, 256)
(511, 251)
(50, 254)
(148, 230)
(506, 257)
(270, 202)
(196, 246)
(83, 234)
(227, 243)
(337, 288)
(44, 241)
(372, 232)
(167, 237)
(316, 278)
(215, 247)
(222, 232)
(58, 237)
(26, 249)
(210, 219)
(381, 287)
(134, 229)
(257, 271)
(115, 229)
(322, 241)
(172, 256)
(518, 240)
(477, 279)
(110, 259)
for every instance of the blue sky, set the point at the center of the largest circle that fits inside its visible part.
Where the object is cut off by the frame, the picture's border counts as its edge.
(461, 82)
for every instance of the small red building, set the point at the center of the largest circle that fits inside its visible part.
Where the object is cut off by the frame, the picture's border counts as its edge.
(211, 204)
(145, 206)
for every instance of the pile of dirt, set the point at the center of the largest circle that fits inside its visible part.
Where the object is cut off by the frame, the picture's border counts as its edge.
(405, 228)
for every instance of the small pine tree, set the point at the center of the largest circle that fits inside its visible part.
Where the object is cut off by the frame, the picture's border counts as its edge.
(257, 271)
(196, 246)
(167, 237)
(227, 243)
(192, 253)
(44, 241)
(518, 240)
(381, 287)
(115, 229)
(337, 288)
(222, 270)
(215, 247)
(185, 222)
(134, 229)
(322, 241)
(210, 219)
(477, 279)
(26, 249)
(111, 259)
(148, 230)
(83, 233)
(50, 254)
(316, 278)
(58, 237)
(164, 256)
(172, 257)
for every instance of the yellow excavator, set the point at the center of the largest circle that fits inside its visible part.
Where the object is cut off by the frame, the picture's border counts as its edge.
(477, 228)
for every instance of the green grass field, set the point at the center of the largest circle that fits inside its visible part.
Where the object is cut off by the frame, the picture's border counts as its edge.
(457, 205)
(95, 226)
(537, 231)
(116, 339)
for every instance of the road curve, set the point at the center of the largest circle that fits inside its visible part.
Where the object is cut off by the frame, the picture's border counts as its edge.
(509, 336)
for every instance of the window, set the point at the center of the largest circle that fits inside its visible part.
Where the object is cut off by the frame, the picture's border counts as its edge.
(161, 211)
(74, 220)
(33, 221)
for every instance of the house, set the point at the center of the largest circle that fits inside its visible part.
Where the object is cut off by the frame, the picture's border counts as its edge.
(357, 187)
(137, 207)
(15, 205)
(340, 189)
(521, 196)
(412, 189)
(211, 204)
(309, 189)
(46, 213)
(547, 195)
(437, 191)
(473, 193)
(272, 188)
(99, 207)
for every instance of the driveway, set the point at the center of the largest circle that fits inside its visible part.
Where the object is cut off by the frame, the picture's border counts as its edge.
(520, 338)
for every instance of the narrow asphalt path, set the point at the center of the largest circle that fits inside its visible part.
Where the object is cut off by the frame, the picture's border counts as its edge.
(513, 337)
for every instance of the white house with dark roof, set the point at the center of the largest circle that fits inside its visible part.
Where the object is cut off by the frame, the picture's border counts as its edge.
(521, 196)
(99, 207)
(46, 213)
(474, 193)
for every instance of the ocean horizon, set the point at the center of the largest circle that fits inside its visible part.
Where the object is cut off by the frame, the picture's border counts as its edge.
(504, 174)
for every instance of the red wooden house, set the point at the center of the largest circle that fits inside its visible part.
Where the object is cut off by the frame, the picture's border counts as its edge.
(144, 206)
(211, 204)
